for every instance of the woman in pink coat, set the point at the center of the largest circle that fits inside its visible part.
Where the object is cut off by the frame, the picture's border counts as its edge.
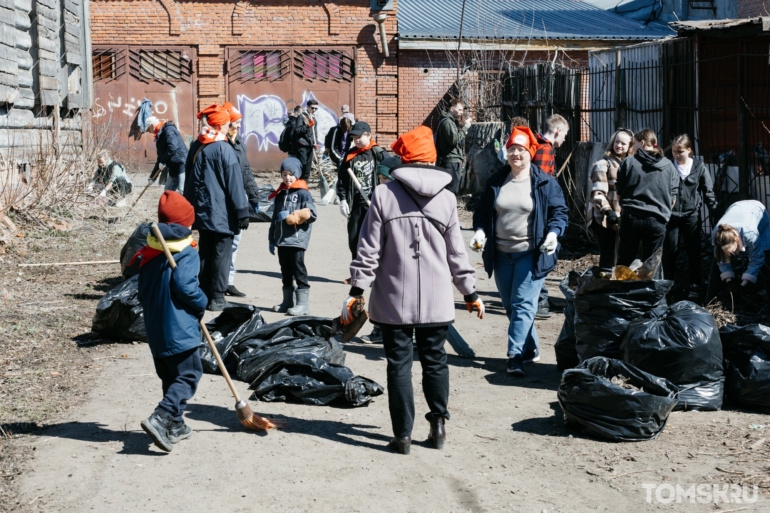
(410, 253)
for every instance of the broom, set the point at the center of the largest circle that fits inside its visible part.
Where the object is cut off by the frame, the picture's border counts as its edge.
(247, 417)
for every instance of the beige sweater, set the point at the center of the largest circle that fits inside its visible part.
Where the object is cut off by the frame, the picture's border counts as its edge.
(604, 173)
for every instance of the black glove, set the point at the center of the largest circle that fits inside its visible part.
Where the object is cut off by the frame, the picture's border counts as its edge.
(243, 224)
(612, 217)
(199, 315)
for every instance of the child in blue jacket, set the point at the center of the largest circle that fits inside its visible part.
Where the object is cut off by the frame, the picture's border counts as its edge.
(293, 213)
(172, 302)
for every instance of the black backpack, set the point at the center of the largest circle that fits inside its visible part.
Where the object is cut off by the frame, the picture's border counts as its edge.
(287, 136)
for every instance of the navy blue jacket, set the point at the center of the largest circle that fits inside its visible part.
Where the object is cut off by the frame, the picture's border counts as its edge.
(170, 147)
(214, 187)
(284, 235)
(550, 215)
(172, 301)
(249, 183)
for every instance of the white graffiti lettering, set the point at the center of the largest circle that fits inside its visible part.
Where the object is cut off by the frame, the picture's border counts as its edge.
(160, 107)
(117, 105)
(99, 111)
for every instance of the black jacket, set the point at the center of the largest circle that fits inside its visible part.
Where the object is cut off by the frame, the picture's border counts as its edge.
(450, 140)
(647, 185)
(249, 183)
(170, 147)
(364, 166)
(214, 187)
(334, 142)
(302, 133)
(693, 190)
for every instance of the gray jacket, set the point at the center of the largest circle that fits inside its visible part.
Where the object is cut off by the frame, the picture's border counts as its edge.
(648, 186)
(409, 263)
(285, 235)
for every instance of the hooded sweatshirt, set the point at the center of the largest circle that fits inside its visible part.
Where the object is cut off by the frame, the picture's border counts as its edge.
(647, 185)
(409, 261)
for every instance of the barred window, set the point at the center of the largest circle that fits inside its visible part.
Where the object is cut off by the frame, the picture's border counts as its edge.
(161, 65)
(262, 65)
(321, 65)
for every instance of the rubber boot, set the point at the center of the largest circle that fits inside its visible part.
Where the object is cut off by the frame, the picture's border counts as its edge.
(302, 307)
(288, 301)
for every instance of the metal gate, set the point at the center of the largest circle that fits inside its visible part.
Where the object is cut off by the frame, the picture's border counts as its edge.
(123, 77)
(266, 83)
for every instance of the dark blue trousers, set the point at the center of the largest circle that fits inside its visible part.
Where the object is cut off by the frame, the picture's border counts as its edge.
(180, 374)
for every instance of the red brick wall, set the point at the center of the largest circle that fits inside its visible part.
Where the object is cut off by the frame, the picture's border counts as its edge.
(752, 8)
(213, 25)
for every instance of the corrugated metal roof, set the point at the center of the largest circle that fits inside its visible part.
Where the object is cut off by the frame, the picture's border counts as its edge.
(517, 20)
(685, 26)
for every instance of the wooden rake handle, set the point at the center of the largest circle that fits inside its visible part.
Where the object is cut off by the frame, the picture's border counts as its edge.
(204, 329)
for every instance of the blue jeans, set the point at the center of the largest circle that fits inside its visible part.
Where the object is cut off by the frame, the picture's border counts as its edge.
(519, 292)
(175, 184)
(236, 243)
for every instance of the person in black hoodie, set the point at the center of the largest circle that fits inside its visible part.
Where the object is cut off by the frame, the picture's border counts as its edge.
(249, 184)
(647, 185)
(338, 138)
(695, 187)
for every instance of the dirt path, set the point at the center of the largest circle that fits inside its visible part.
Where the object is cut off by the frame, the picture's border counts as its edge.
(507, 449)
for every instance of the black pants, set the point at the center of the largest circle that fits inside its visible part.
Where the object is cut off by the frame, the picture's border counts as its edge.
(180, 375)
(121, 187)
(292, 262)
(305, 155)
(397, 341)
(455, 169)
(648, 231)
(606, 239)
(215, 251)
(689, 228)
(355, 222)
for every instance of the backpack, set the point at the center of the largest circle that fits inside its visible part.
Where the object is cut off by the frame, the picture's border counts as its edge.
(287, 136)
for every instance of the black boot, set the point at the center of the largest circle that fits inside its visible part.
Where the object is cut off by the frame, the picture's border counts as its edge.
(178, 431)
(232, 291)
(156, 425)
(437, 432)
(401, 445)
(288, 301)
(217, 304)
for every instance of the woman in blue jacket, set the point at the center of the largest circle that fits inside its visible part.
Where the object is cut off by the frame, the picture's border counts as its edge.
(522, 213)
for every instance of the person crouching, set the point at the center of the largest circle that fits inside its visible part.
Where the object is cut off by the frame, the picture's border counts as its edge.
(172, 302)
(410, 253)
(290, 228)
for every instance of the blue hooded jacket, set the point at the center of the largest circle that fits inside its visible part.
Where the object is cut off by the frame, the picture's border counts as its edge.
(550, 215)
(172, 300)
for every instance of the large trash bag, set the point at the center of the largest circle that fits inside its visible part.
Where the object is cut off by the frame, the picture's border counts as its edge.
(566, 354)
(682, 345)
(235, 323)
(747, 357)
(265, 214)
(603, 309)
(119, 314)
(616, 411)
(132, 245)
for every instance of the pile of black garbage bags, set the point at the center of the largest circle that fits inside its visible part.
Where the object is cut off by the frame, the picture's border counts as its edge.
(629, 358)
(294, 359)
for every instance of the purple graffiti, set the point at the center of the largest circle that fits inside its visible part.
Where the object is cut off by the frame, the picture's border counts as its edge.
(263, 118)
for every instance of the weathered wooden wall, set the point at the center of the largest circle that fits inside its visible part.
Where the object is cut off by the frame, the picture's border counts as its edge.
(44, 65)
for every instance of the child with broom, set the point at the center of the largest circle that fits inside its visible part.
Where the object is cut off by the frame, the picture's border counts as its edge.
(173, 302)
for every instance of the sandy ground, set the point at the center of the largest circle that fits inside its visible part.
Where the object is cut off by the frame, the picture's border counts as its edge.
(507, 448)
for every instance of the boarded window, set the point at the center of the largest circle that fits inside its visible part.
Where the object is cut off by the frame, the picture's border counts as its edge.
(321, 65)
(104, 66)
(160, 65)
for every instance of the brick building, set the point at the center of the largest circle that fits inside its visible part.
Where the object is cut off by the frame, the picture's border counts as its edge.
(268, 57)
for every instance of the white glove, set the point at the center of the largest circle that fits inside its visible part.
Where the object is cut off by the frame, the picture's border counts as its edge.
(550, 244)
(344, 209)
(103, 194)
(90, 188)
(478, 240)
(150, 181)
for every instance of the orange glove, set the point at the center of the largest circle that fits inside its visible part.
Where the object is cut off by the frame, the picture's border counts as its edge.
(346, 316)
(479, 305)
(298, 217)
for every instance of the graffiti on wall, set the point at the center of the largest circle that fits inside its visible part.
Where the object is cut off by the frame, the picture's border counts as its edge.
(264, 116)
(163, 105)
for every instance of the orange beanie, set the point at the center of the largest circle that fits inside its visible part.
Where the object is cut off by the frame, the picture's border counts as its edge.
(174, 208)
(235, 114)
(416, 145)
(208, 110)
(523, 136)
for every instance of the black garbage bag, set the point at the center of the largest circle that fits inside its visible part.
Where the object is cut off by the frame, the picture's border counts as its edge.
(129, 249)
(747, 360)
(682, 345)
(265, 214)
(119, 314)
(232, 326)
(617, 412)
(566, 354)
(603, 309)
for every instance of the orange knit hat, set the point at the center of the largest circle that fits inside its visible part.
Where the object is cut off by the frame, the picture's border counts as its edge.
(208, 110)
(416, 145)
(523, 136)
(174, 208)
(235, 114)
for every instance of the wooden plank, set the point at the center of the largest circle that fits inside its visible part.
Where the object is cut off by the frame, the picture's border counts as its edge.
(72, 28)
(49, 83)
(8, 94)
(72, 6)
(25, 78)
(49, 24)
(49, 69)
(9, 66)
(72, 38)
(21, 21)
(9, 79)
(50, 98)
(51, 4)
(74, 58)
(75, 101)
(7, 52)
(7, 34)
(8, 4)
(46, 12)
(50, 45)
